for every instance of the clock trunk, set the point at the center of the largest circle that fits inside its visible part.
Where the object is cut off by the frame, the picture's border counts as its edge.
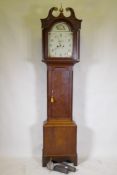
(60, 89)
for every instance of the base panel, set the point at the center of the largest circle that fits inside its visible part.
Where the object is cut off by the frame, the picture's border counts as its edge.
(59, 142)
(59, 159)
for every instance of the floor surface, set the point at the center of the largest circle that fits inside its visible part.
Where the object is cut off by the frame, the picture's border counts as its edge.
(33, 167)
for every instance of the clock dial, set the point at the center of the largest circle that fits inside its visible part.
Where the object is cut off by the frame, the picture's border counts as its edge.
(60, 41)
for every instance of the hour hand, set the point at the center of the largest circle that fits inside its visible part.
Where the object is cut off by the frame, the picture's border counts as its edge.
(59, 45)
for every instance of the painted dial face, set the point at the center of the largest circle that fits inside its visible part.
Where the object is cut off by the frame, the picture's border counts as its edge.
(60, 41)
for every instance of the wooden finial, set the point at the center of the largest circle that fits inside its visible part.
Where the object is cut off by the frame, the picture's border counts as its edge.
(61, 9)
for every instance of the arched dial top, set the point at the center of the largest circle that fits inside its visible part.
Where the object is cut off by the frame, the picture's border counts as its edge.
(60, 40)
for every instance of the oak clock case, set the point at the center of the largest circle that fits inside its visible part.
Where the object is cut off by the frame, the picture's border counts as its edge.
(61, 50)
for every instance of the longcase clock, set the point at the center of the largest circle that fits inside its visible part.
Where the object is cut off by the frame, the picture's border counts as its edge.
(61, 50)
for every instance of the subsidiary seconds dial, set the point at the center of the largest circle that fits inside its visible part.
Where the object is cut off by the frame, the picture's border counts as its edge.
(60, 41)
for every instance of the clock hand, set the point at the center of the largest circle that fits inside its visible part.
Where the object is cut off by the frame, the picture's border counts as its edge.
(59, 45)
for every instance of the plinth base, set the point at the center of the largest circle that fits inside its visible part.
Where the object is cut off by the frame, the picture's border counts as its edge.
(59, 142)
